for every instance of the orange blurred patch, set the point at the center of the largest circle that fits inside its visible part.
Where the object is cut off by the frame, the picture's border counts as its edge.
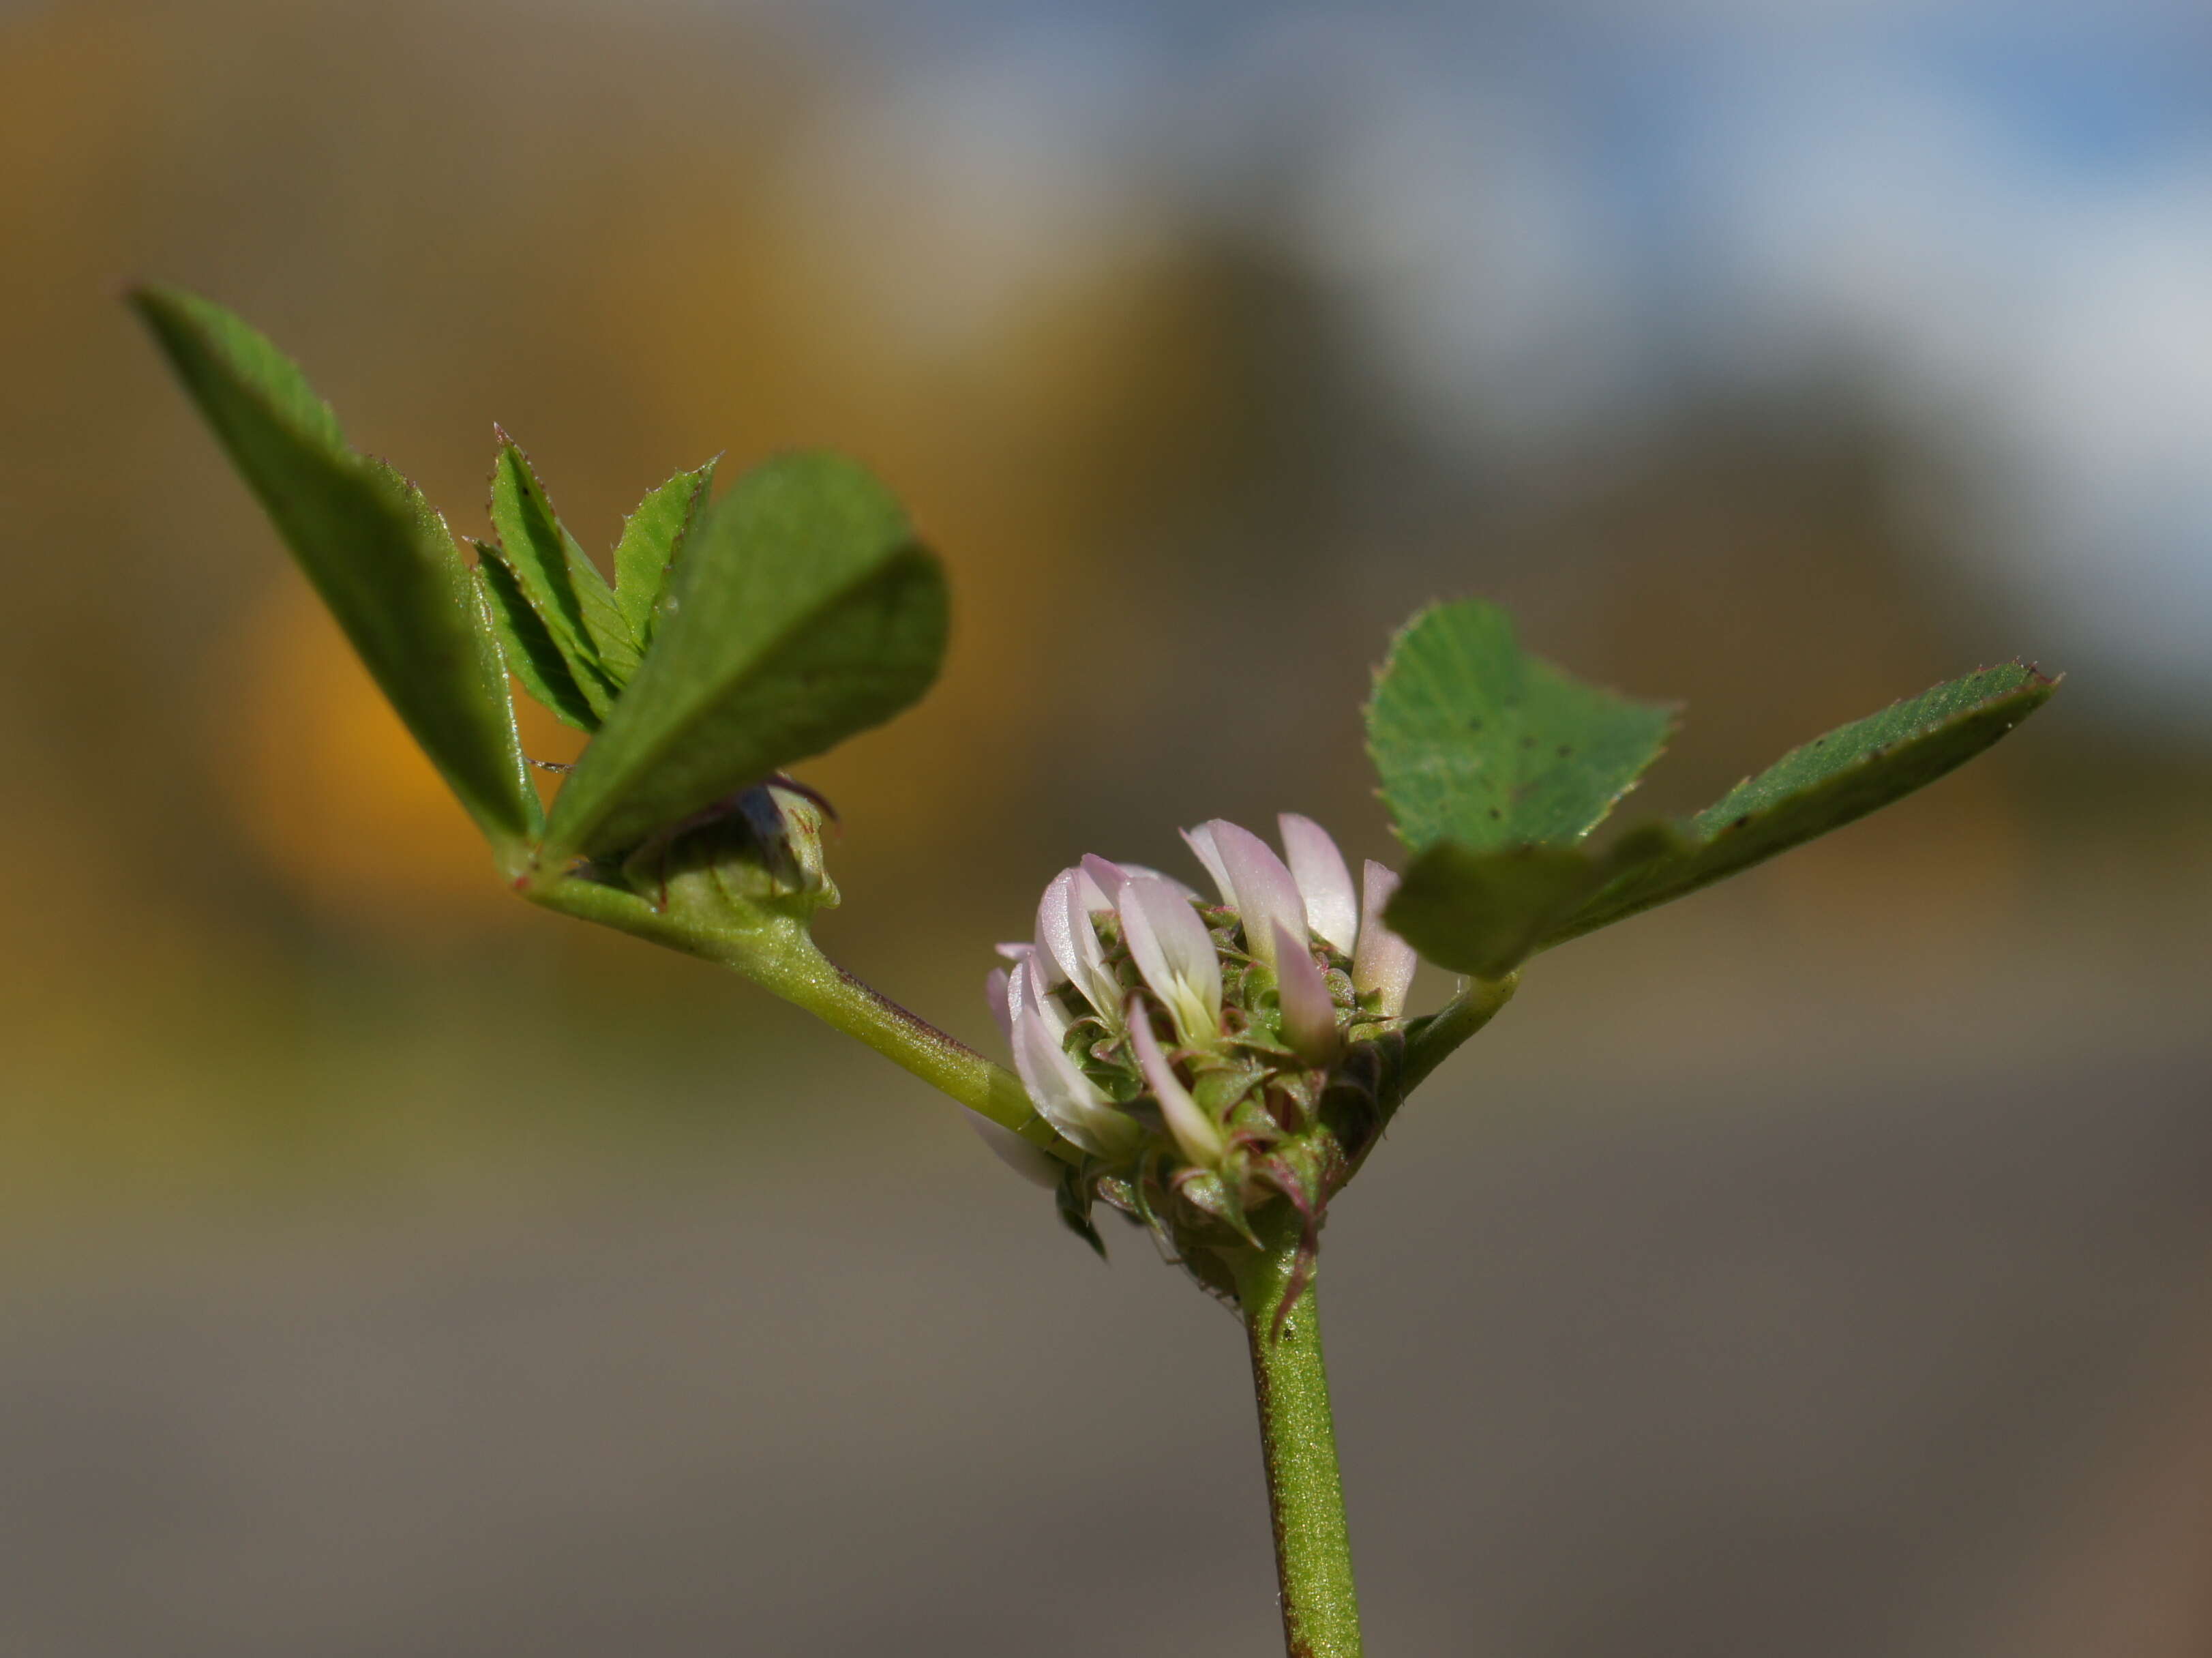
(743, 330)
(325, 780)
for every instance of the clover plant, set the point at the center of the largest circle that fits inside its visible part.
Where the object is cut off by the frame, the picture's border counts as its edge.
(1211, 1065)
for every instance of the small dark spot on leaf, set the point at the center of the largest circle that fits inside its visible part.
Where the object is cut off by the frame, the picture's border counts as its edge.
(1740, 821)
(1566, 750)
(1527, 742)
(1495, 812)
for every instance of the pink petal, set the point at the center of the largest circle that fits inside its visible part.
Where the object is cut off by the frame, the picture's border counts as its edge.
(1323, 880)
(1195, 1133)
(1384, 962)
(1200, 842)
(1309, 1015)
(1100, 881)
(994, 993)
(1267, 895)
(1188, 894)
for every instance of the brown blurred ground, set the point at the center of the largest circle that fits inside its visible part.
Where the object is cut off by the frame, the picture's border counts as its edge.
(396, 1270)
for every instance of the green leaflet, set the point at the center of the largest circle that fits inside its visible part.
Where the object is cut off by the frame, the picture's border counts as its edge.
(802, 611)
(573, 645)
(531, 655)
(562, 585)
(1485, 913)
(1854, 769)
(381, 558)
(1482, 911)
(651, 537)
(1478, 743)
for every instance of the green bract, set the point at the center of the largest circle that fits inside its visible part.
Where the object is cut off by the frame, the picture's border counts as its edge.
(1496, 765)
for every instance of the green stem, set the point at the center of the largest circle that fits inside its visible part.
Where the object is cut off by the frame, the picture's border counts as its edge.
(1298, 1435)
(778, 954)
(1432, 1040)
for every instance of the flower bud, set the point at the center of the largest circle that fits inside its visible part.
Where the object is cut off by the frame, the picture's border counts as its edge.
(750, 856)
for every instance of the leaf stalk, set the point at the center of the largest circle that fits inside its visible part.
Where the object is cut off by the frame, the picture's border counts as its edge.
(1430, 1041)
(778, 954)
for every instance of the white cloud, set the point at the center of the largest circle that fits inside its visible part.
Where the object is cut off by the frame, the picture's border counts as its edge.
(2053, 333)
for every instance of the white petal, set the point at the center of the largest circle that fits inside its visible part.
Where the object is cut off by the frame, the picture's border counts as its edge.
(1267, 895)
(995, 994)
(1384, 962)
(1033, 1163)
(1323, 880)
(1174, 952)
(1055, 940)
(1014, 952)
(1200, 841)
(1063, 1095)
(1023, 990)
(1066, 935)
(1098, 984)
(1309, 1015)
(1196, 1133)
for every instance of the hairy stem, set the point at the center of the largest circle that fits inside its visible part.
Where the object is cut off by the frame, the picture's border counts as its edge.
(779, 955)
(1297, 1436)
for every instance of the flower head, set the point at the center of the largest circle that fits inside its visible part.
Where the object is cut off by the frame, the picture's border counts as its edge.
(1207, 1056)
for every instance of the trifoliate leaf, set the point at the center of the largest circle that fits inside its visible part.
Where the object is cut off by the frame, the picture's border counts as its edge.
(801, 611)
(1482, 911)
(1478, 743)
(381, 558)
(651, 537)
(531, 656)
(562, 585)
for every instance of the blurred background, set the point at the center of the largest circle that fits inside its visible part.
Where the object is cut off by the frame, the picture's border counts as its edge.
(1821, 1266)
